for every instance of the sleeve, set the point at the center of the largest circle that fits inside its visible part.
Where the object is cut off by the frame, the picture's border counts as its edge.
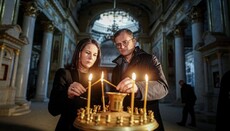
(58, 96)
(158, 86)
(156, 90)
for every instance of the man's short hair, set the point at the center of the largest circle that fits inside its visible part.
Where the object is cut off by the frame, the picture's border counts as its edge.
(128, 31)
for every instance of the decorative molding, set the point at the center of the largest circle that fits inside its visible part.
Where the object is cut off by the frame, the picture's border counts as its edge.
(31, 9)
(196, 14)
(179, 31)
(48, 26)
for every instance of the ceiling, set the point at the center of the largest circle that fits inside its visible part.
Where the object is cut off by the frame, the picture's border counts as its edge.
(150, 8)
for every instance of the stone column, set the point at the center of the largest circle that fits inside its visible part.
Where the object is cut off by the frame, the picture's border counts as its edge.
(10, 10)
(197, 33)
(25, 56)
(179, 58)
(44, 64)
(1, 55)
(16, 11)
(206, 68)
(219, 54)
(15, 68)
(206, 81)
(64, 42)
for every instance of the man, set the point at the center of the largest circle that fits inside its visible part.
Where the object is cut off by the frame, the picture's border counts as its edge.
(188, 97)
(132, 59)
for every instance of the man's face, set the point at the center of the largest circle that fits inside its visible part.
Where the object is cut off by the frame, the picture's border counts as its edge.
(125, 44)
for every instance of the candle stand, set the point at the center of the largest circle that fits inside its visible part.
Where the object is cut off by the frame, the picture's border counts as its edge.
(114, 118)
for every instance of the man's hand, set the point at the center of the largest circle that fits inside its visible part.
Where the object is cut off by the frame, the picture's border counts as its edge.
(126, 85)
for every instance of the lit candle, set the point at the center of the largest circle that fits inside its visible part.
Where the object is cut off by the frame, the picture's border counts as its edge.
(89, 93)
(132, 96)
(146, 92)
(102, 90)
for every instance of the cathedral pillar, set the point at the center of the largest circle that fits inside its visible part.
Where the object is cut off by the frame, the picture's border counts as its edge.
(197, 33)
(1, 55)
(219, 54)
(25, 55)
(44, 64)
(206, 68)
(179, 57)
(9, 12)
(15, 68)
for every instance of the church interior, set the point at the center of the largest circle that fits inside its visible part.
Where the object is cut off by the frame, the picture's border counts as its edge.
(191, 39)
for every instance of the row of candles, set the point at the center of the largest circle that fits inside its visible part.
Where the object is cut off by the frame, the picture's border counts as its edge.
(103, 96)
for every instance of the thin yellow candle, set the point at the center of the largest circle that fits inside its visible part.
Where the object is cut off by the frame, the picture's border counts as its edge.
(102, 90)
(146, 92)
(109, 83)
(94, 83)
(89, 93)
(132, 96)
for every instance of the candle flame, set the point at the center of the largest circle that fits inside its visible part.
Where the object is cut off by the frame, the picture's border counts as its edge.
(134, 76)
(146, 77)
(90, 77)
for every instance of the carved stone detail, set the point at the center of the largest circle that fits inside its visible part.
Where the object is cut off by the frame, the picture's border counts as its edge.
(48, 26)
(196, 14)
(179, 31)
(31, 10)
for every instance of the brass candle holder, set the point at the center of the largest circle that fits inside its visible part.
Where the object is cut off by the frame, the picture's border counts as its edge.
(113, 118)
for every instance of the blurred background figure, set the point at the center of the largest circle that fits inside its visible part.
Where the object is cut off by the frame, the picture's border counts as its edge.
(188, 98)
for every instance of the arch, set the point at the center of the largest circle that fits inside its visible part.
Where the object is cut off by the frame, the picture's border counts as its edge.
(106, 22)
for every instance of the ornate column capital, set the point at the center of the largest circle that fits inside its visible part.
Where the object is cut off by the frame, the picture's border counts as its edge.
(219, 54)
(196, 14)
(48, 26)
(2, 47)
(206, 59)
(17, 52)
(31, 9)
(179, 31)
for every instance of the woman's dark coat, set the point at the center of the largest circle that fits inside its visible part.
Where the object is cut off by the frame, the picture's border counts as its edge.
(60, 104)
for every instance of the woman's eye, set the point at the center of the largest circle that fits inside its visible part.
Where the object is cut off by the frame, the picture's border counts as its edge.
(87, 52)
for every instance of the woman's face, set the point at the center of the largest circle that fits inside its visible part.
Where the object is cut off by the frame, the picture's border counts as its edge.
(88, 56)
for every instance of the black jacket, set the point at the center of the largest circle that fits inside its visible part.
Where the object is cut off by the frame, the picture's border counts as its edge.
(60, 104)
(187, 94)
(143, 63)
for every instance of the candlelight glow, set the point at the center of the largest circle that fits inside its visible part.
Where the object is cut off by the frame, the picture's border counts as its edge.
(134, 76)
(102, 90)
(89, 96)
(132, 94)
(146, 93)
(146, 77)
(90, 77)
(102, 76)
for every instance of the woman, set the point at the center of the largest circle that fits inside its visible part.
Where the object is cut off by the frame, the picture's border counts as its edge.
(69, 91)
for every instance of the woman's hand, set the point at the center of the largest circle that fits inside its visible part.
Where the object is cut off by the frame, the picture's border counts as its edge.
(126, 85)
(75, 89)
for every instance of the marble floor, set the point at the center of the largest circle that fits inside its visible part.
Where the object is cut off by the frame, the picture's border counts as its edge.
(39, 119)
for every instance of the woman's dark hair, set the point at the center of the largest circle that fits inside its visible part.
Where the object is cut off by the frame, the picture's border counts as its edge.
(80, 46)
